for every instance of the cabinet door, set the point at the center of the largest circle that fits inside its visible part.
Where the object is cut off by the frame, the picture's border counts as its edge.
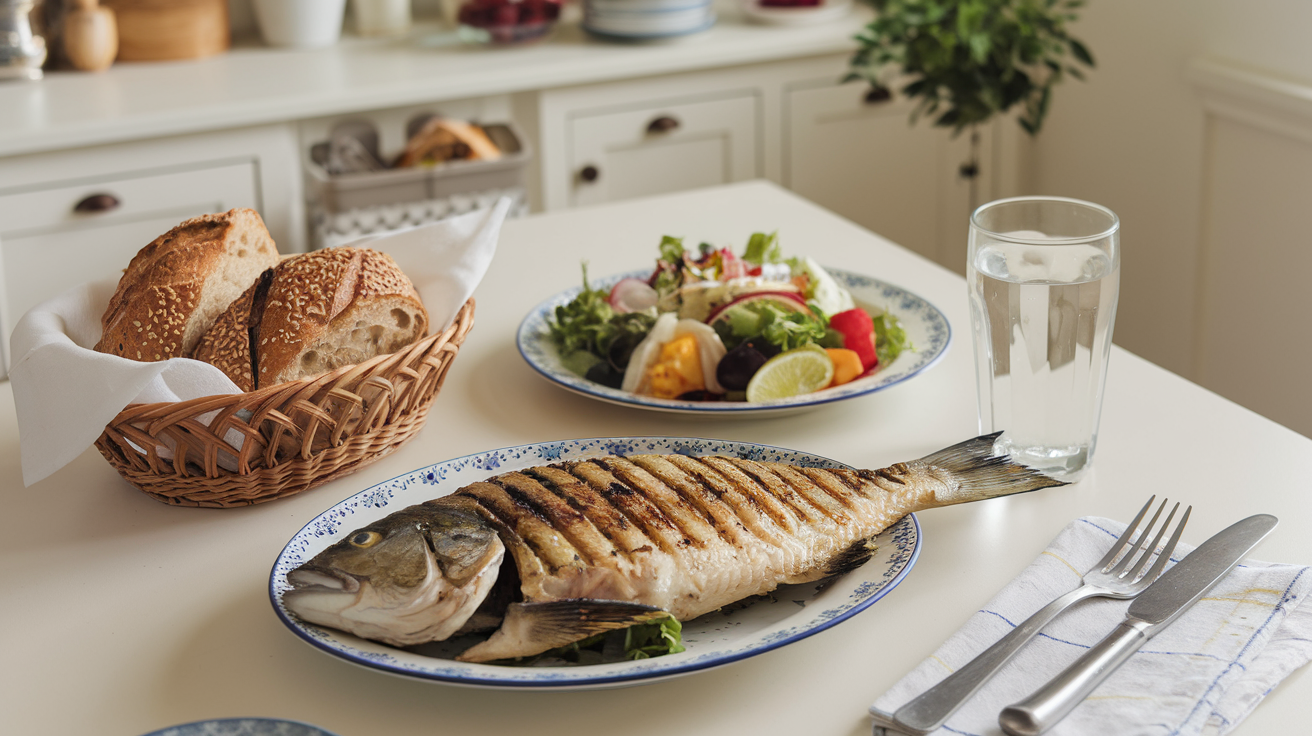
(47, 245)
(866, 162)
(654, 149)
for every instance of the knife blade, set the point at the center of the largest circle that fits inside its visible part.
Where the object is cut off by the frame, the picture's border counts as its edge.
(1156, 608)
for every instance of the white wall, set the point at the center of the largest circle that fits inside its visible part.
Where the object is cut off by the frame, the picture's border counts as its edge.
(1129, 138)
(1136, 138)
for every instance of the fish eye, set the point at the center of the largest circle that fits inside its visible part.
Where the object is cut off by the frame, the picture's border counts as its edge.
(365, 539)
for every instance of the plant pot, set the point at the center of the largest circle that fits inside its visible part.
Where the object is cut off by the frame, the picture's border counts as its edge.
(301, 24)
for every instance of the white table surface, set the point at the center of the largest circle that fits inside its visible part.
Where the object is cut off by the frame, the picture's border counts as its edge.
(122, 615)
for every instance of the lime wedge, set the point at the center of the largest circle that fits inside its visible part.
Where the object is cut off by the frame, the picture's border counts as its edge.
(793, 373)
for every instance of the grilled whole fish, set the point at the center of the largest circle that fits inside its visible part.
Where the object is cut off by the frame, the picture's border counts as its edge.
(610, 542)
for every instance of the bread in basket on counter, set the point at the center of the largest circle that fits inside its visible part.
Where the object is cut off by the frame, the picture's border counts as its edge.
(313, 313)
(349, 312)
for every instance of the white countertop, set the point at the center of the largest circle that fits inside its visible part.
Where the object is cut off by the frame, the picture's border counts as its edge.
(123, 615)
(252, 84)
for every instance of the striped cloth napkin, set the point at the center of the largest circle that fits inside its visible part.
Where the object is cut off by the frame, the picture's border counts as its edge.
(1202, 675)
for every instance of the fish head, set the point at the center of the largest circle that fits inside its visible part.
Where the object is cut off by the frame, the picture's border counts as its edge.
(412, 577)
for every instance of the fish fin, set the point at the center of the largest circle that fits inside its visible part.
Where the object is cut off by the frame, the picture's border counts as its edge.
(533, 628)
(979, 473)
(856, 555)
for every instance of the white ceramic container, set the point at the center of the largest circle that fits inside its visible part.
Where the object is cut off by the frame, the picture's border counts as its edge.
(301, 24)
(381, 17)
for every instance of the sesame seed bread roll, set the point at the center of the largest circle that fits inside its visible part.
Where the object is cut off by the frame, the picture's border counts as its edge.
(227, 344)
(314, 313)
(176, 286)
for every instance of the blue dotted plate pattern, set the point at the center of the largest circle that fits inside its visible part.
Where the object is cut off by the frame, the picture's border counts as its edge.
(242, 727)
(791, 613)
(926, 326)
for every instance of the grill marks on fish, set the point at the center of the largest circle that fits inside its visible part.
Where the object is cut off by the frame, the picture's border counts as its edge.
(608, 542)
(682, 533)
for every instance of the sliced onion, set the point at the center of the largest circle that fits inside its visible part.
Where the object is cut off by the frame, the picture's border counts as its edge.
(648, 351)
(632, 295)
(710, 350)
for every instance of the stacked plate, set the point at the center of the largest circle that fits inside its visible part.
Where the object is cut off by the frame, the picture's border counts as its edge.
(646, 19)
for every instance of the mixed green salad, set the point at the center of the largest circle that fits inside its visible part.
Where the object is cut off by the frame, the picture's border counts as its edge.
(713, 325)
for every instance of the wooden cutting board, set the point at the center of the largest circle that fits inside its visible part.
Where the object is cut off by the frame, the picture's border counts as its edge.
(159, 30)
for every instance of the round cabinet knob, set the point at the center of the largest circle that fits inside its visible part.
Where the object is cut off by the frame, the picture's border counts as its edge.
(969, 170)
(663, 124)
(877, 95)
(96, 203)
(589, 173)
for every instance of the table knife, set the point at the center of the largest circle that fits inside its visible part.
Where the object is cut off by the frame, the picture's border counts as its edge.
(1155, 608)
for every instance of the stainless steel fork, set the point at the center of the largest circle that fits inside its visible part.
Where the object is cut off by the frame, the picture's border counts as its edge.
(1117, 575)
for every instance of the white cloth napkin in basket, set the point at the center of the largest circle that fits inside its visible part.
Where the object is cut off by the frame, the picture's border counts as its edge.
(65, 392)
(1202, 675)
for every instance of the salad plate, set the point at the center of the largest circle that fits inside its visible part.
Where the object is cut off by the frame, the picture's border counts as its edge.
(789, 614)
(926, 326)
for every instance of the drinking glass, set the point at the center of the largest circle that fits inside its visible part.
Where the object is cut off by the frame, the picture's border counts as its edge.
(1043, 275)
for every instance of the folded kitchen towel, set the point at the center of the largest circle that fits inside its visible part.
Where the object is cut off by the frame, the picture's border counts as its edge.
(1202, 675)
(65, 392)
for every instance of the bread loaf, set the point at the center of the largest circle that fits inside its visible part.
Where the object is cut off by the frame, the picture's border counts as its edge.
(314, 313)
(176, 286)
(443, 139)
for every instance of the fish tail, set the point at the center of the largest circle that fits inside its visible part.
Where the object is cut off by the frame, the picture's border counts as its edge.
(977, 474)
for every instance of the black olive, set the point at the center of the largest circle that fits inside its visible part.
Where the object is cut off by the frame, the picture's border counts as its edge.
(699, 395)
(605, 374)
(763, 346)
(738, 366)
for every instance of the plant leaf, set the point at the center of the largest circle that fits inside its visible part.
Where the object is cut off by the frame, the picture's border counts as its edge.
(1081, 53)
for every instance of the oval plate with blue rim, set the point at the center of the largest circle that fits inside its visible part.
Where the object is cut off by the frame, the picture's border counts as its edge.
(791, 613)
(927, 330)
(243, 727)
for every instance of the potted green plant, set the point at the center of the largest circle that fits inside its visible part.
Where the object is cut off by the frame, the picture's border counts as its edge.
(965, 61)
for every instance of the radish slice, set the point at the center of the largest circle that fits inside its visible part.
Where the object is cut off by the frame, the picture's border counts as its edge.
(784, 298)
(632, 295)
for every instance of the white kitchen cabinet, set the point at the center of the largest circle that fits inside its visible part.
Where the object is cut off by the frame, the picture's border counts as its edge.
(664, 147)
(865, 161)
(80, 215)
(606, 142)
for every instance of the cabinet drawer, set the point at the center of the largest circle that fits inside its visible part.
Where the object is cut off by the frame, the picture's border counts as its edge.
(138, 195)
(47, 246)
(659, 148)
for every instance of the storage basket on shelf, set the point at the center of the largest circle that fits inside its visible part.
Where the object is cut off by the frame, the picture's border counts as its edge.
(293, 436)
(347, 206)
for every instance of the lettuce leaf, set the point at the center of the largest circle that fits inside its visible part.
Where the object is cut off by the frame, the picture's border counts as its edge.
(782, 328)
(762, 249)
(653, 639)
(589, 326)
(890, 338)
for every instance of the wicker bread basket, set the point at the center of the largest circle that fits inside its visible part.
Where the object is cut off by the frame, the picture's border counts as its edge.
(292, 436)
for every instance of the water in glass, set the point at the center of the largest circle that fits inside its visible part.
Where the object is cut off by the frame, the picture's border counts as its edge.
(1043, 320)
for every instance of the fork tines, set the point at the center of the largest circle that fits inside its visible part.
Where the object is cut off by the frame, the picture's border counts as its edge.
(1140, 550)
